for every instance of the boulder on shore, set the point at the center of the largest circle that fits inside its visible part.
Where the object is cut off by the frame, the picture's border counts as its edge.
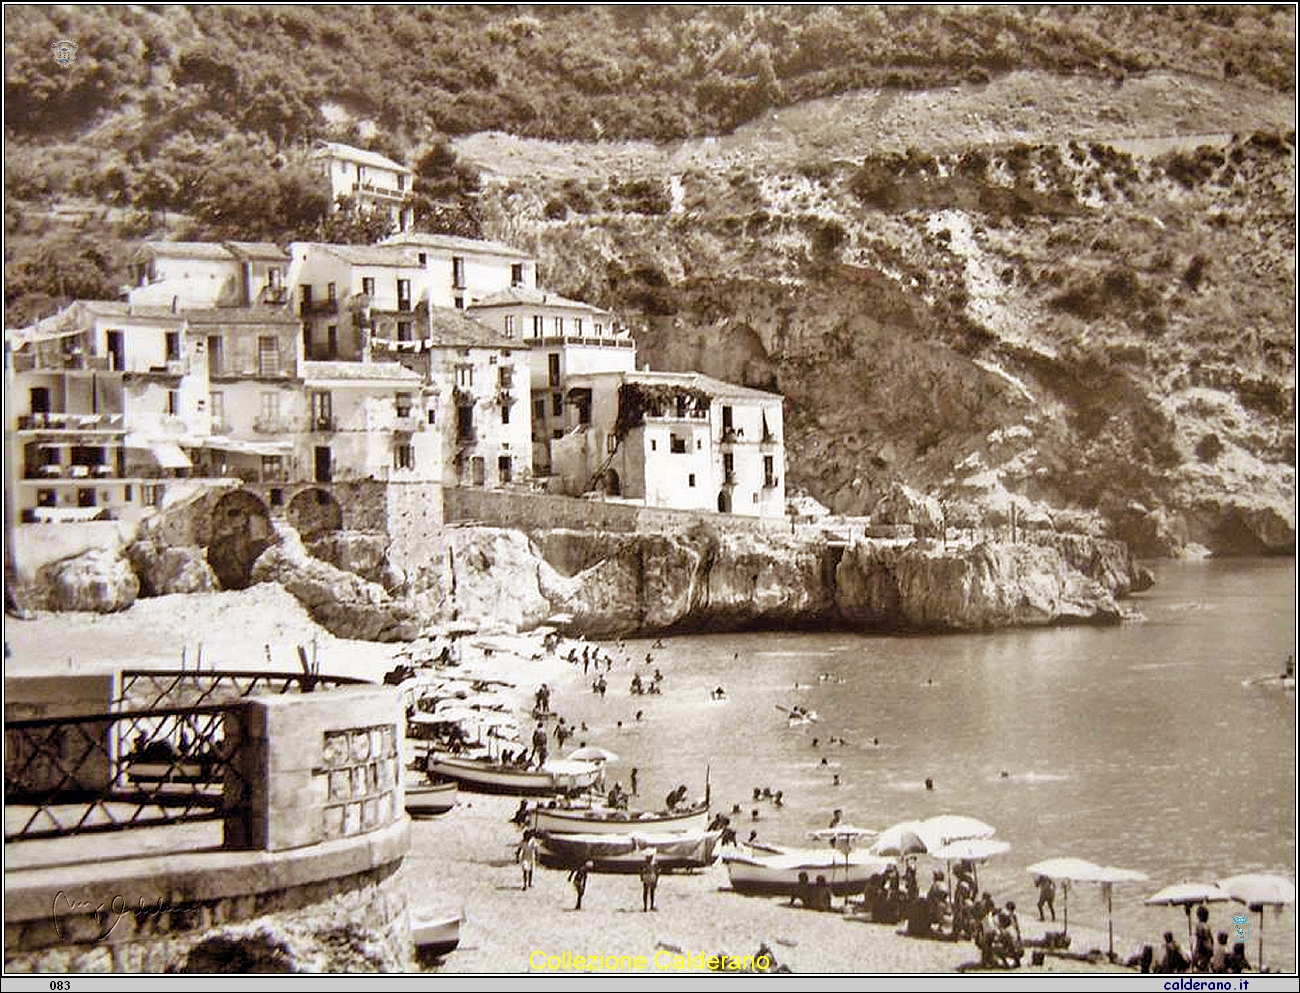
(100, 580)
(163, 569)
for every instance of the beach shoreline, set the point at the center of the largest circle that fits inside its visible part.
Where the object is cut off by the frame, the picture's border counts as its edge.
(464, 860)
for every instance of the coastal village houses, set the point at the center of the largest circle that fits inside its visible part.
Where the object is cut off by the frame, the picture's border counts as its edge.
(427, 358)
(367, 181)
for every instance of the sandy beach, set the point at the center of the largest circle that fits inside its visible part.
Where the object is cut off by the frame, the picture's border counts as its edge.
(464, 860)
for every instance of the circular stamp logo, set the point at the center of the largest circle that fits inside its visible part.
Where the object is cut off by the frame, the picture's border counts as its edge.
(65, 51)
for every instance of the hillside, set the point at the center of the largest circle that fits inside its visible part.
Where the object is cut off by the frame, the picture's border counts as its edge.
(1039, 256)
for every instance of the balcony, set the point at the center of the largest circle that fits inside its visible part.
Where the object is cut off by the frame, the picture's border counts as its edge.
(69, 472)
(322, 423)
(71, 422)
(310, 308)
(728, 479)
(770, 483)
(408, 424)
(270, 425)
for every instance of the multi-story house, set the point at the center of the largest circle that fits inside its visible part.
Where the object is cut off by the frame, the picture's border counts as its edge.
(368, 180)
(477, 400)
(347, 293)
(680, 440)
(104, 398)
(462, 271)
(183, 274)
(566, 337)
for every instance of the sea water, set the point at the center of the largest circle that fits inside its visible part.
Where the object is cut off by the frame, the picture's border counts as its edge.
(1135, 746)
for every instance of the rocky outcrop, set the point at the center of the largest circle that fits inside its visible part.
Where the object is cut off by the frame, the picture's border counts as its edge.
(343, 603)
(925, 586)
(164, 569)
(362, 552)
(100, 580)
(487, 576)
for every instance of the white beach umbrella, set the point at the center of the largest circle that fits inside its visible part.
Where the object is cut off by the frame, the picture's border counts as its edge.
(1188, 895)
(1257, 890)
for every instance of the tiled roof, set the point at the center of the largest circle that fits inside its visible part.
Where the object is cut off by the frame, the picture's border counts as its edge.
(386, 255)
(699, 381)
(207, 250)
(517, 295)
(262, 251)
(241, 315)
(358, 371)
(452, 243)
(349, 154)
(450, 328)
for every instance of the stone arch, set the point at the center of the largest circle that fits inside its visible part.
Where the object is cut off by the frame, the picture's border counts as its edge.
(241, 531)
(613, 485)
(724, 502)
(313, 511)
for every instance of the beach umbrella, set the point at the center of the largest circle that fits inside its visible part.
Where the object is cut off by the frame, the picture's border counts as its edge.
(1187, 895)
(844, 838)
(1256, 890)
(1108, 876)
(1066, 870)
(968, 850)
(903, 838)
(593, 753)
(945, 828)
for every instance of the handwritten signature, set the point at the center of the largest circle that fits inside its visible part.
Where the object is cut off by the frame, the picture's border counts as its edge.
(106, 914)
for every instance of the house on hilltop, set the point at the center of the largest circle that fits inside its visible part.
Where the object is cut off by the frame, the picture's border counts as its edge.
(368, 180)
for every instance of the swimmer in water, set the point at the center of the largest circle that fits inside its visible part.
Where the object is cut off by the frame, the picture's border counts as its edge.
(929, 783)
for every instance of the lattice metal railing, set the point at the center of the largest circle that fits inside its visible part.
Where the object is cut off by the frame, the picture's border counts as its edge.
(145, 689)
(108, 772)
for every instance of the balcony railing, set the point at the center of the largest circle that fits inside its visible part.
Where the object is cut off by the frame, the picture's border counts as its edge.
(322, 422)
(770, 483)
(54, 471)
(71, 422)
(309, 307)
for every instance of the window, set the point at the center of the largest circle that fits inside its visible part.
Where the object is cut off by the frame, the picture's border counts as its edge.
(769, 471)
(654, 445)
(577, 325)
(600, 329)
(277, 494)
(403, 403)
(611, 443)
(401, 182)
(173, 346)
(46, 498)
(506, 377)
(273, 469)
(270, 409)
(517, 274)
(728, 467)
(368, 286)
(268, 355)
(726, 419)
(557, 405)
(403, 294)
(459, 302)
(465, 423)
(505, 413)
(332, 342)
(433, 416)
(510, 325)
(86, 498)
(539, 410)
(690, 480)
(557, 433)
(322, 411)
(457, 272)
(128, 492)
(403, 456)
(677, 445)
(464, 376)
(553, 368)
(332, 292)
(505, 471)
(424, 259)
(403, 330)
(559, 325)
(217, 401)
(173, 402)
(479, 468)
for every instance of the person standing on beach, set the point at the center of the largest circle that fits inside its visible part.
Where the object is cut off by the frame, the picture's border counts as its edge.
(527, 856)
(539, 744)
(1046, 896)
(649, 880)
(579, 879)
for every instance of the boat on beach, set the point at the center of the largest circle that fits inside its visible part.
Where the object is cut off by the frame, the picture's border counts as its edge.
(627, 852)
(426, 799)
(608, 820)
(484, 775)
(436, 934)
(778, 875)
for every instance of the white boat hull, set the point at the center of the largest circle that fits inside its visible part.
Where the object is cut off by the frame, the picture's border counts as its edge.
(486, 777)
(429, 799)
(436, 935)
(778, 875)
(603, 820)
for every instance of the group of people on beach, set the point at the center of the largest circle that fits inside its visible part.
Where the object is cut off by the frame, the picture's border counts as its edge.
(1208, 954)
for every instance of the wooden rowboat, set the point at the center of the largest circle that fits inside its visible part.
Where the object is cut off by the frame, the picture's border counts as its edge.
(428, 799)
(606, 820)
(485, 776)
(627, 852)
(778, 875)
(435, 934)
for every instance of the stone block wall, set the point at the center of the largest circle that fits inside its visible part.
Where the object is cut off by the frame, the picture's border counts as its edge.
(415, 514)
(318, 766)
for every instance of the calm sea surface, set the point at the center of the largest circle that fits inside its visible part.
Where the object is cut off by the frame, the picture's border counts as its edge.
(1135, 746)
